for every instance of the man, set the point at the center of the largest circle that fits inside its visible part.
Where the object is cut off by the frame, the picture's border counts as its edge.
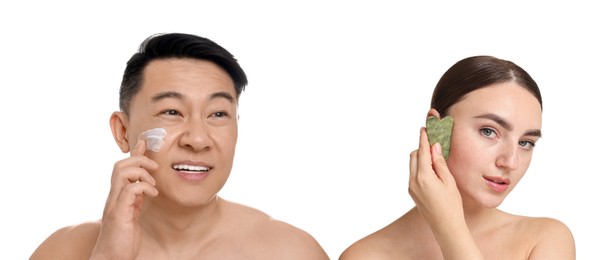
(163, 202)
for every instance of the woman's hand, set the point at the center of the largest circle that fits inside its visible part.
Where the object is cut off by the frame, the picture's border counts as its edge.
(120, 235)
(437, 198)
(432, 186)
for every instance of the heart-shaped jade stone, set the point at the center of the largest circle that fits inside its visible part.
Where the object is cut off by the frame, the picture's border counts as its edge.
(440, 131)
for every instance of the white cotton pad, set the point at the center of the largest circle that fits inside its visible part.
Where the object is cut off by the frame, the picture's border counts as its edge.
(154, 138)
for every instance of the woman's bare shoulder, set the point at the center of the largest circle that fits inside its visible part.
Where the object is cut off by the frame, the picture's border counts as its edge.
(71, 242)
(552, 238)
(373, 246)
(385, 243)
(542, 226)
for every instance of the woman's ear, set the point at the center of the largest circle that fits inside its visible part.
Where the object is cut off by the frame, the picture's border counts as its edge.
(118, 123)
(433, 112)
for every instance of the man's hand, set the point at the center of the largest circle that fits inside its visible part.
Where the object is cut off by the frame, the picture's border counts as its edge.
(120, 235)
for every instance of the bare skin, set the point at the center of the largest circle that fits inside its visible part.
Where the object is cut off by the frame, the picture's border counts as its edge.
(246, 234)
(456, 215)
(165, 205)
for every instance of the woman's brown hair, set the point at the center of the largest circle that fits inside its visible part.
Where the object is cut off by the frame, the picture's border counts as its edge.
(476, 72)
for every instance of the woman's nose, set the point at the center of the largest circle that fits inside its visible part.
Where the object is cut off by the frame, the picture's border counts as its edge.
(508, 157)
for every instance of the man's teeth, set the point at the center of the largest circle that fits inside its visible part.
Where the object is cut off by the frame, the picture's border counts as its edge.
(185, 167)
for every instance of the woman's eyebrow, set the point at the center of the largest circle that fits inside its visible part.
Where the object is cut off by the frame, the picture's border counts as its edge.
(506, 125)
(498, 119)
(535, 132)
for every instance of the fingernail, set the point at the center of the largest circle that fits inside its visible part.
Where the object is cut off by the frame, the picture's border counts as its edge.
(438, 148)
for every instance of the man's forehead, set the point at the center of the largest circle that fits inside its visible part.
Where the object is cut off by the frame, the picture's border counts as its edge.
(174, 73)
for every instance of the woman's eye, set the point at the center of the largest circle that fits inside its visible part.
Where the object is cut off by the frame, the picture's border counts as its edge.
(488, 132)
(527, 144)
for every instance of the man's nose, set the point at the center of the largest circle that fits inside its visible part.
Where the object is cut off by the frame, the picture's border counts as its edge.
(196, 135)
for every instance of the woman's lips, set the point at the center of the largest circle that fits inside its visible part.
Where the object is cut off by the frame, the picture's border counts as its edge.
(496, 183)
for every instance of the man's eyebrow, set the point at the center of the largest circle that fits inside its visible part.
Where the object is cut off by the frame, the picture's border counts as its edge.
(225, 95)
(167, 94)
(177, 95)
(506, 125)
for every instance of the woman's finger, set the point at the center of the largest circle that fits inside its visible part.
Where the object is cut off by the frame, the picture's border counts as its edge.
(424, 152)
(413, 165)
(439, 164)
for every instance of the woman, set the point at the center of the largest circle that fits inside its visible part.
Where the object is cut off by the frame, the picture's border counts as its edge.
(497, 112)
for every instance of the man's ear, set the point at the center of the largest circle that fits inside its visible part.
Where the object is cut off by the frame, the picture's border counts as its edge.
(433, 112)
(118, 123)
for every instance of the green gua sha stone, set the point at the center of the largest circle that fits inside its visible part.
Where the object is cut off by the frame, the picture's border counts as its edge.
(440, 131)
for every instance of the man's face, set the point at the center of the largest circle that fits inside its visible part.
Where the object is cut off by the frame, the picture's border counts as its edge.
(195, 102)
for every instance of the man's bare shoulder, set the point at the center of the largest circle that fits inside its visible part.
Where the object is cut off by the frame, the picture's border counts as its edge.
(71, 242)
(271, 236)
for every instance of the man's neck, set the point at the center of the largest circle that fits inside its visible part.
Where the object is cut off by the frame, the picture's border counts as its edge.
(170, 225)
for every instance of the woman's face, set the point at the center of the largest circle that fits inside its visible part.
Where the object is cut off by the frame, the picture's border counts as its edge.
(495, 130)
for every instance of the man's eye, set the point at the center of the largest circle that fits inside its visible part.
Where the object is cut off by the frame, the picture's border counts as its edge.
(219, 114)
(171, 112)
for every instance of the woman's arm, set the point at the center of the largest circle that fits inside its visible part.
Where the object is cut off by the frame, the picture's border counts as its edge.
(434, 191)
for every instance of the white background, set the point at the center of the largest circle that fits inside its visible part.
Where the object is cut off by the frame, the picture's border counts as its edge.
(337, 94)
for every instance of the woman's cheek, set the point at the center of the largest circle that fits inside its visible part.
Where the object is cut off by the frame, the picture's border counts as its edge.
(462, 155)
